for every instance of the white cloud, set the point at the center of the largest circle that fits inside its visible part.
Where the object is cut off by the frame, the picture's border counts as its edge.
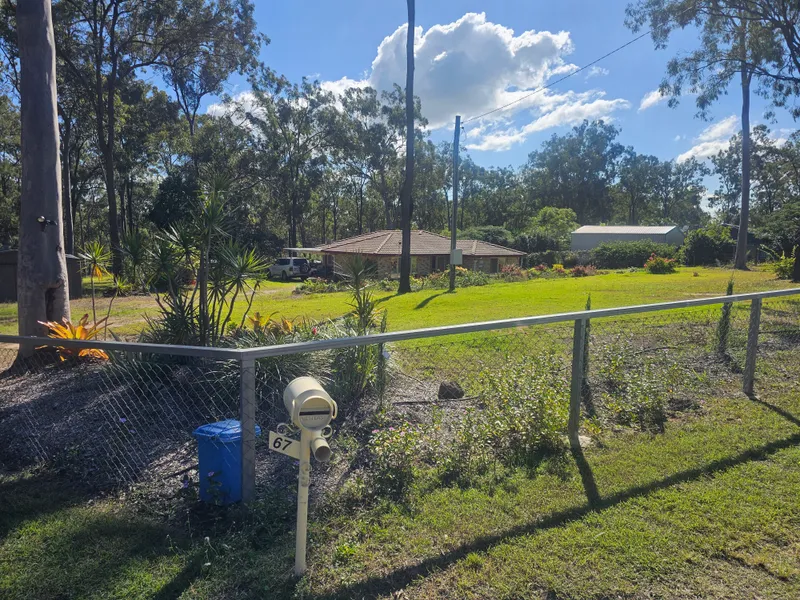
(712, 139)
(650, 99)
(596, 71)
(238, 106)
(564, 109)
(722, 130)
(472, 66)
(678, 138)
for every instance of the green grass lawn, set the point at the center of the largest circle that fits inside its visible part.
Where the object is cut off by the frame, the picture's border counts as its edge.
(707, 509)
(429, 308)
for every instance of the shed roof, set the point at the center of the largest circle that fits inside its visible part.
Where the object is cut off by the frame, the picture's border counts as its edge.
(423, 243)
(623, 229)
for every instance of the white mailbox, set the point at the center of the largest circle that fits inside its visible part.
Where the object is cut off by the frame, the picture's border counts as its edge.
(309, 405)
(311, 409)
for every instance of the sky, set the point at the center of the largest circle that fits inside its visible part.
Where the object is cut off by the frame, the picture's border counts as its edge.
(473, 56)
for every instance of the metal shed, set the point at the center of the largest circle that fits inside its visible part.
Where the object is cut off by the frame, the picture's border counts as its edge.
(589, 237)
(8, 276)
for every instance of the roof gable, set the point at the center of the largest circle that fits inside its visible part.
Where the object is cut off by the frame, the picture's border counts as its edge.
(423, 243)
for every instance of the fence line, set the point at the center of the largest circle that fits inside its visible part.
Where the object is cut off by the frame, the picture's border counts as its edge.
(244, 364)
(396, 336)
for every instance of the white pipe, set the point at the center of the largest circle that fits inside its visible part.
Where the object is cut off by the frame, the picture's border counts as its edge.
(302, 501)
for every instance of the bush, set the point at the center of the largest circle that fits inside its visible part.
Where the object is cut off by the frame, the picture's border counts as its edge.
(488, 233)
(783, 267)
(525, 412)
(551, 257)
(513, 273)
(583, 271)
(658, 265)
(317, 285)
(708, 246)
(621, 255)
(394, 452)
(536, 240)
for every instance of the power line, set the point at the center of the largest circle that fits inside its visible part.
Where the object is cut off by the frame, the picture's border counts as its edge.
(556, 82)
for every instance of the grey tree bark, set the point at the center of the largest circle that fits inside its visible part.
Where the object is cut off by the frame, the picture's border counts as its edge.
(744, 214)
(408, 186)
(42, 284)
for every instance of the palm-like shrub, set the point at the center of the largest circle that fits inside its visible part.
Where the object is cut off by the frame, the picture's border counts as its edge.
(204, 271)
(95, 257)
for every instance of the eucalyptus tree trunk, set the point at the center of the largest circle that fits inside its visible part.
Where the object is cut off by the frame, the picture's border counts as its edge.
(405, 206)
(42, 283)
(744, 214)
(69, 225)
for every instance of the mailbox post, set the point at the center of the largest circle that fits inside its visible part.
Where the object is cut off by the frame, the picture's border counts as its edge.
(311, 410)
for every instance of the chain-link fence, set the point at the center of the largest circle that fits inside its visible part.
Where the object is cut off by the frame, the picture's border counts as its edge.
(126, 413)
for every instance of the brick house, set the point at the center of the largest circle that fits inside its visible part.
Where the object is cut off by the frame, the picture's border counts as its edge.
(429, 252)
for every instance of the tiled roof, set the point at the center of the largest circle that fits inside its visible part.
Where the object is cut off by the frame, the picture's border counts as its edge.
(423, 243)
(622, 229)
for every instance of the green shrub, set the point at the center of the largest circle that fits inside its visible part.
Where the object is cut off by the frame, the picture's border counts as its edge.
(567, 258)
(395, 452)
(488, 233)
(710, 245)
(783, 267)
(637, 396)
(724, 325)
(621, 255)
(536, 240)
(358, 369)
(317, 285)
(658, 265)
(525, 410)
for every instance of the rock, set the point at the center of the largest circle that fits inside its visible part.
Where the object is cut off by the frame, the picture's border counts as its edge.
(450, 390)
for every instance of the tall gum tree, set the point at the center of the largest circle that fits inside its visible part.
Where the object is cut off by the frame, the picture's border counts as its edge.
(734, 49)
(42, 283)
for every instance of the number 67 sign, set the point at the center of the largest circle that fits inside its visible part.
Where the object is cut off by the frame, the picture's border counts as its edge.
(284, 445)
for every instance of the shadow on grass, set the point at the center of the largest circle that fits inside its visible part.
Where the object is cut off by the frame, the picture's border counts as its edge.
(430, 299)
(30, 496)
(59, 542)
(400, 578)
(587, 477)
(776, 409)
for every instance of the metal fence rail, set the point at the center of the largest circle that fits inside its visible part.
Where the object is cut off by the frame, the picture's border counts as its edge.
(131, 418)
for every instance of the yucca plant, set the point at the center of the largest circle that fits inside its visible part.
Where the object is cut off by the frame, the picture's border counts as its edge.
(220, 272)
(95, 257)
(66, 330)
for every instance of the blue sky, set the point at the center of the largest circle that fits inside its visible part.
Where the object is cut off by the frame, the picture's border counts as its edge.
(467, 63)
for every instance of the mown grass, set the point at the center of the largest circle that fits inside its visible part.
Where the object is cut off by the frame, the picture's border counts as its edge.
(429, 308)
(708, 508)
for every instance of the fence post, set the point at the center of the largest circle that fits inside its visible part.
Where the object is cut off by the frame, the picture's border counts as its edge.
(247, 417)
(577, 383)
(752, 345)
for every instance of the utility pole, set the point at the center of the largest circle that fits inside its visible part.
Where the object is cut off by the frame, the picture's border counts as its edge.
(456, 136)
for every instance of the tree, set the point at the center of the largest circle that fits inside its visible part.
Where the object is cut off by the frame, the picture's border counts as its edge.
(42, 281)
(294, 127)
(408, 186)
(555, 222)
(103, 43)
(637, 179)
(576, 171)
(732, 45)
(678, 190)
(232, 47)
(9, 171)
